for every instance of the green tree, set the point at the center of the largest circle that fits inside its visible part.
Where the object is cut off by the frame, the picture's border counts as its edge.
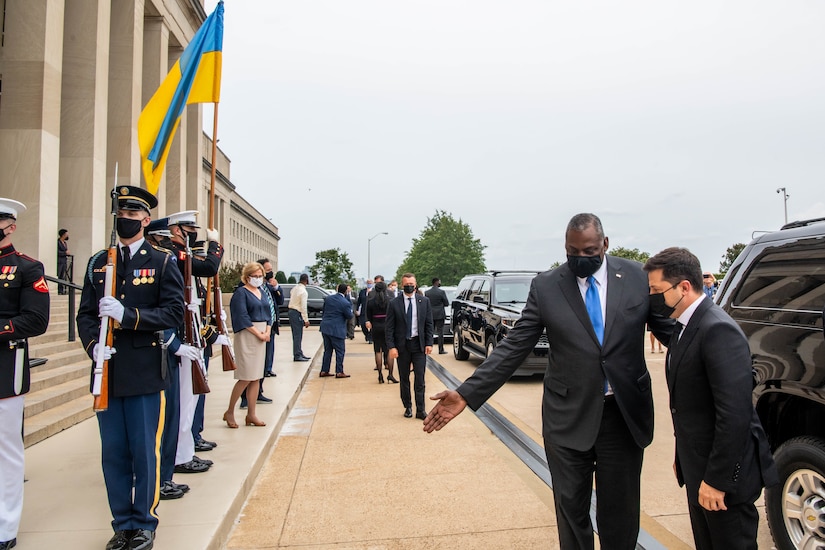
(230, 276)
(729, 256)
(629, 254)
(291, 280)
(332, 267)
(445, 249)
(280, 276)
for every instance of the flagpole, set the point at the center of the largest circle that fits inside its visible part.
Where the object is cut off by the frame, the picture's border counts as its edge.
(212, 200)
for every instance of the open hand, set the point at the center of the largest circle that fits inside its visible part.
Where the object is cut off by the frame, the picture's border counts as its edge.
(450, 404)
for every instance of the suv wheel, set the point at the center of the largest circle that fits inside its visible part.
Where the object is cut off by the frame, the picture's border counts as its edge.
(458, 348)
(491, 345)
(796, 506)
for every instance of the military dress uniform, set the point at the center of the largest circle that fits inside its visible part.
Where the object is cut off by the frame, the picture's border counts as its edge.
(150, 290)
(24, 312)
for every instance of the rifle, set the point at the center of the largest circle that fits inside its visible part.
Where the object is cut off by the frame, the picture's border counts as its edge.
(192, 333)
(227, 352)
(100, 383)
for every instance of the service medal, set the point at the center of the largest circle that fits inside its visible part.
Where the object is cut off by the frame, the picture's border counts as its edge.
(11, 276)
(2, 276)
(150, 280)
(136, 281)
(144, 280)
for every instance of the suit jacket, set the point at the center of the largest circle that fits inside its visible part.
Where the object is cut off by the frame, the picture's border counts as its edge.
(574, 380)
(150, 307)
(337, 309)
(438, 301)
(719, 438)
(361, 304)
(396, 327)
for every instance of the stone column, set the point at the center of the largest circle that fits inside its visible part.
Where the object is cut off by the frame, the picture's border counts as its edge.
(84, 199)
(125, 91)
(155, 69)
(175, 191)
(194, 159)
(30, 121)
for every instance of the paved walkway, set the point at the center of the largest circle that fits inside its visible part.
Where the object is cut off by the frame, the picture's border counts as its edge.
(337, 466)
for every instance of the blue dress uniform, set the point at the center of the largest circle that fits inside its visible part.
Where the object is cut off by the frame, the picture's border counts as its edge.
(24, 312)
(150, 289)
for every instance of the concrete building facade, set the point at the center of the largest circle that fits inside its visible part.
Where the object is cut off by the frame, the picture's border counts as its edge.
(74, 77)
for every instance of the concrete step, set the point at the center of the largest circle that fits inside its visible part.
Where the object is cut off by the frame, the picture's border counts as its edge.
(51, 350)
(44, 380)
(58, 331)
(56, 419)
(57, 394)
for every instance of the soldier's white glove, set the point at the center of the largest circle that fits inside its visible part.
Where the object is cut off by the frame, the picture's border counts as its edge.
(189, 352)
(109, 306)
(212, 235)
(107, 352)
(222, 340)
(194, 307)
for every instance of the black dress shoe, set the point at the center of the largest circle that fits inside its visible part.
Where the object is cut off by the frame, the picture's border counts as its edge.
(191, 467)
(305, 357)
(421, 415)
(169, 492)
(210, 443)
(264, 399)
(179, 486)
(119, 541)
(408, 413)
(143, 539)
(301, 359)
(442, 352)
(13, 542)
(202, 447)
(243, 402)
(269, 374)
(202, 460)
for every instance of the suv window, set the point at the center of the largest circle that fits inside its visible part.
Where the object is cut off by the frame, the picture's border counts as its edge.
(316, 293)
(787, 278)
(477, 289)
(512, 291)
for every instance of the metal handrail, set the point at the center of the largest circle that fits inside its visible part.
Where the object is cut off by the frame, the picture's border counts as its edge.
(72, 287)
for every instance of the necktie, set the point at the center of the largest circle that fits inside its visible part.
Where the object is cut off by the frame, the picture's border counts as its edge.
(409, 318)
(674, 339)
(127, 254)
(594, 308)
(271, 301)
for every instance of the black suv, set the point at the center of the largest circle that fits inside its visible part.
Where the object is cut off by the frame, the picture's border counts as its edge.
(775, 290)
(315, 303)
(485, 308)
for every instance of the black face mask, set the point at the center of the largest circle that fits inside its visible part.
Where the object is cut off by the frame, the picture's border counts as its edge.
(3, 232)
(191, 238)
(128, 228)
(658, 305)
(268, 275)
(409, 289)
(584, 266)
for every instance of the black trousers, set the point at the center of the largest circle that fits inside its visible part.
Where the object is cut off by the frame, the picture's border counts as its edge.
(438, 331)
(616, 462)
(731, 529)
(412, 357)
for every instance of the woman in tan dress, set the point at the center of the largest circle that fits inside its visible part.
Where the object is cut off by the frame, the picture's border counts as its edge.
(251, 318)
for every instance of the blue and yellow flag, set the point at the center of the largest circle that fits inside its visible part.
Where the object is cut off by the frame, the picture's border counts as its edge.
(195, 78)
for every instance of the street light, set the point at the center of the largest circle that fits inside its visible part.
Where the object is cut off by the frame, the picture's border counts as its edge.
(369, 242)
(786, 196)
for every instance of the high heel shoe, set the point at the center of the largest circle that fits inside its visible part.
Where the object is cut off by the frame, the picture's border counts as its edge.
(254, 422)
(392, 379)
(232, 423)
(380, 378)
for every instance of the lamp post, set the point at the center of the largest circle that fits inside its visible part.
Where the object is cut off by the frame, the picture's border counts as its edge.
(369, 242)
(785, 196)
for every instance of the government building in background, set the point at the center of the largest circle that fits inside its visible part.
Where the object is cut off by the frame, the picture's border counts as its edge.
(74, 77)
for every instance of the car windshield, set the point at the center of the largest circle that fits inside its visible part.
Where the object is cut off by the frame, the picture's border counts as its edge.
(512, 291)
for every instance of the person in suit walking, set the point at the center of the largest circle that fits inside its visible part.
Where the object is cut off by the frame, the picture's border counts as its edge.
(409, 333)
(722, 454)
(597, 409)
(337, 310)
(149, 300)
(438, 301)
(361, 305)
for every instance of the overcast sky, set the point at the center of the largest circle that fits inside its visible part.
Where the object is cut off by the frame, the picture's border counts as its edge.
(675, 122)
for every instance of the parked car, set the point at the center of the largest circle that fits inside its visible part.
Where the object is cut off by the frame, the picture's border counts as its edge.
(315, 303)
(451, 292)
(775, 290)
(486, 307)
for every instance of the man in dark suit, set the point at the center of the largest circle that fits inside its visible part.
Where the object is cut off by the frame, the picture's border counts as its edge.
(438, 301)
(722, 454)
(149, 300)
(361, 304)
(337, 310)
(409, 333)
(597, 409)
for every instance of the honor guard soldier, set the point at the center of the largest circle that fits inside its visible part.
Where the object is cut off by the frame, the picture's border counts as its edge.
(206, 261)
(148, 300)
(24, 312)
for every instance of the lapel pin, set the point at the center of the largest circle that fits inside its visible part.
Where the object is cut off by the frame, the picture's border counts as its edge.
(618, 275)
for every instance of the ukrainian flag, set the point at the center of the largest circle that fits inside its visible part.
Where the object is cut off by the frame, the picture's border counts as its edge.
(195, 78)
